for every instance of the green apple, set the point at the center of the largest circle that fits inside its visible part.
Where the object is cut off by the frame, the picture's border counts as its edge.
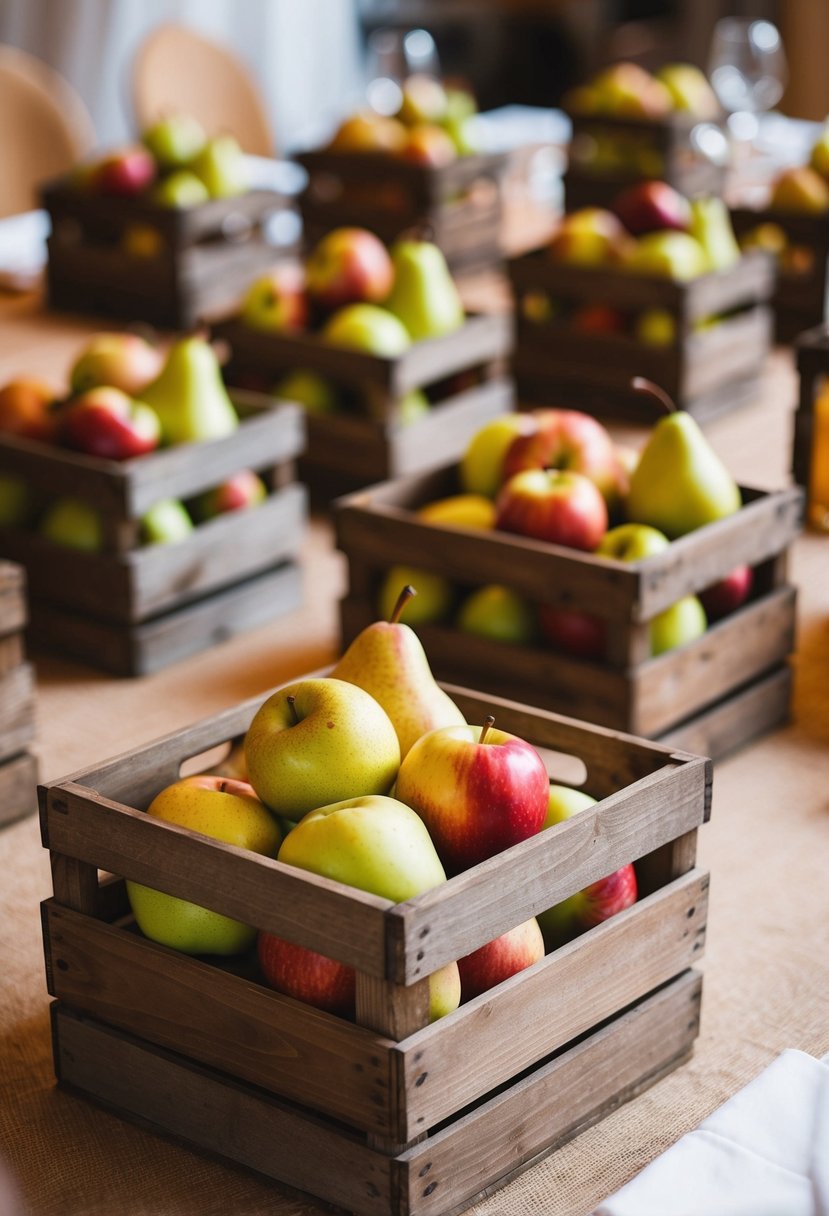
(16, 502)
(175, 140)
(497, 612)
(413, 406)
(74, 524)
(674, 255)
(564, 803)
(632, 542)
(318, 741)
(482, 462)
(369, 328)
(683, 622)
(313, 392)
(166, 523)
(226, 810)
(222, 167)
(433, 602)
(180, 189)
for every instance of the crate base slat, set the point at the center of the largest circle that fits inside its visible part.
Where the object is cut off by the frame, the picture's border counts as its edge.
(438, 1176)
(18, 788)
(762, 706)
(140, 649)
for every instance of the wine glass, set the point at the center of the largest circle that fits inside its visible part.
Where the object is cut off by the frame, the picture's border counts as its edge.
(393, 55)
(748, 72)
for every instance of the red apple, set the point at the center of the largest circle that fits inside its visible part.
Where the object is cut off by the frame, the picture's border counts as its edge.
(589, 907)
(125, 361)
(575, 633)
(349, 266)
(566, 439)
(306, 975)
(598, 319)
(106, 422)
(478, 790)
(243, 490)
(126, 172)
(554, 505)
(728, 594)
(495, 962)
(428, 144)
(277, 301)
(652, 207)
(26, 409)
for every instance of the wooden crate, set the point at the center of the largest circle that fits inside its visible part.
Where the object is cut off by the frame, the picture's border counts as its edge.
(721, 690)
(18, 767)
(458, 206)
(132, 608)
(205, 257)
(646, 149)
(408, 1117)
(463, 372)
(707, 370)
(800, 298)
(812, 354)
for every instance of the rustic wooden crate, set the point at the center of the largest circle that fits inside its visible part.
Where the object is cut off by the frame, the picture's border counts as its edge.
(707, 371)
(348, 450)
(800, 299)
(18, 768)
(670, 150)
(206, 254)
(409, 1118)
(812, 355)
(132, 608)
(459, 206)
(723, 689)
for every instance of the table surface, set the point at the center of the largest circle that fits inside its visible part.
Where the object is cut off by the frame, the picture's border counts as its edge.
(767, 845)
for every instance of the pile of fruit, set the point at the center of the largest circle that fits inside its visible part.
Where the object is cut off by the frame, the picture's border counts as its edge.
(371, 777)
(651, 229)
(431, 125)
(354, 292)
(174, 165)
(556, 476)
(125, 398)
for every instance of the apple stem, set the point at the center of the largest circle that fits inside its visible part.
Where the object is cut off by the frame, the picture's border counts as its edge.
(403, 598)
(640, 384)
(488, 722)
(292, 702)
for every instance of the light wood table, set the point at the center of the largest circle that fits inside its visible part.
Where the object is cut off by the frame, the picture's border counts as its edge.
(767, 846)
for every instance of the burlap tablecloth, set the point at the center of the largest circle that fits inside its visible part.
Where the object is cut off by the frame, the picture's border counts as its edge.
(767, 846)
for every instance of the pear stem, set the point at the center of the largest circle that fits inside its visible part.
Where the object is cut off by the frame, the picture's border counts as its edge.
(408, 592)
(292, 702)
(640, 384)
(488, 722)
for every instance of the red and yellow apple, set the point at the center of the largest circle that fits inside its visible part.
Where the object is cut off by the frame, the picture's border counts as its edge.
(125, 361)
(26, 408)
(727, 594)
(106, 422)
(240, 492)
(276, 302)
(554, 505)
(125, 172)
(496, 961)
(349, 266)
(566, 439)
(589, 907)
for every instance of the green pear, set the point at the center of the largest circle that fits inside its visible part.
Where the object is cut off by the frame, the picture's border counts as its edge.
(222, 167)
(680, 483)
(689, 89)
(388, 661)
(180, 189)
(711, 225)
(369, 328)
(189, 395)
(424, 295)
(175, 140)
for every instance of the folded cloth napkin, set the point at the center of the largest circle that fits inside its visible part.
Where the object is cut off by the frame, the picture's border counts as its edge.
(765, 1152)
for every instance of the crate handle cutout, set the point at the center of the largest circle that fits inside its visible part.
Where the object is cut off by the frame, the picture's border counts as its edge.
(563, 767)
(209, 761)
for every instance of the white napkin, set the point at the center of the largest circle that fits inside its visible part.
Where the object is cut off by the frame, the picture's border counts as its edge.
(765, 1152)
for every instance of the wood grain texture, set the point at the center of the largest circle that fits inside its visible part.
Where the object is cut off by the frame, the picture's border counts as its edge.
(741, 718)
(17, 710)
(18, 788)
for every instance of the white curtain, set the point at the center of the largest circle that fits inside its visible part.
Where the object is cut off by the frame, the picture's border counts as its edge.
(304, 54)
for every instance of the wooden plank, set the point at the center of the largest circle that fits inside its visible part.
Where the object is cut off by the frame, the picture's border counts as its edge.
(12, 603)
(216, 1113)
(504, 1031)
(486, 1148)
(17, 710)
(18, 788)
(737, 719)
(217, 1018)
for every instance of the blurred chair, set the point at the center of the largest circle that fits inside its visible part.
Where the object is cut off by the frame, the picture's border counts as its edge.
(45, 128)
(177, 70)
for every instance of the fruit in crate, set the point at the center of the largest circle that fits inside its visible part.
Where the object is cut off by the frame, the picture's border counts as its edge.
(590, 907)
(629, 91)
(222, 166)
(711, 226)
(319, 741)
(413, 406)
(598, 319)
(678, 625)
(368, 132)
(175, 140)
(126, 172)
(461, 511)
(800, 189)
(225, 810)
(656, 326)
(690, 90)
(433, 602)
(652, 206)
(478, 790)
(316, 394)
(306, 975)
(496, 961)
(277, 301)
(125, 361)
(423, 100)
(429, 144)
(73, 524)
(566, 439)
(631, 542)
(819, 155)
(579, 634)
(668, 254)
(555, 505)
(180, 189)
(387, 660)
(166, 523)
(106, 422)
(564, 802)
(482, 464)
(26, 408)
(189, 395)
(240, 492)
(727, 594)
(17, 503)
(497, 612)
(679, 483)
(424, 295)
(590, 237)
(348, 266)
(368, 328)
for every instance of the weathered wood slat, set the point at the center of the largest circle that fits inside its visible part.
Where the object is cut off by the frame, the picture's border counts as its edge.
(17, 710)
(18, 788)
(737, 719)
